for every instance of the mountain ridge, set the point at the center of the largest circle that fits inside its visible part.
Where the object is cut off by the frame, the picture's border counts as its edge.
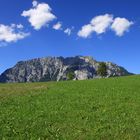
(58, 68)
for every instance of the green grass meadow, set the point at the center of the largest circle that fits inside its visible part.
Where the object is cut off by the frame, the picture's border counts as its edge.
(100, 109)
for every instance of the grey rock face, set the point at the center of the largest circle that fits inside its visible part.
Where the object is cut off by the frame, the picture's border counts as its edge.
(57, 68)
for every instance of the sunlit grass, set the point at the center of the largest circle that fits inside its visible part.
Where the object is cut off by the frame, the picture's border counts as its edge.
(75, 110)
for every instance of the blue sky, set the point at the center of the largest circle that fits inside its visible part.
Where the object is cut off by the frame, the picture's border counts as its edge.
(22, 38)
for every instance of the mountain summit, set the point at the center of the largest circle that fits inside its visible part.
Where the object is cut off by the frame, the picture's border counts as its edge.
(59, 68)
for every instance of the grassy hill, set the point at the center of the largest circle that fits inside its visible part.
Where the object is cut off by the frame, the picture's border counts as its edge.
(104, 109)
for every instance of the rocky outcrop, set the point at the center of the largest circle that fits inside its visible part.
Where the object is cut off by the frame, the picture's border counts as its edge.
(57, 69)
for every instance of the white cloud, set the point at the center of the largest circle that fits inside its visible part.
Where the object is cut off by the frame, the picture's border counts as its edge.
(57, 26)
(11, 33)
(121, 25)
(40, 15)
(86, 31)
(20, 26)
(101, 23)
(98, 24)
(68, 31)
(35, 3)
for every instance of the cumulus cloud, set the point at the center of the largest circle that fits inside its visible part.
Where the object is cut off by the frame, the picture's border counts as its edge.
(68, 31)
(86, 31)
(57, 26)
(35, 3)
(39, 15)
(11, 33)
(19, 26)
(100, 24)
(121, 25)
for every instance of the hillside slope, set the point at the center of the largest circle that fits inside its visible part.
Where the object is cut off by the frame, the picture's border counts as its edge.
(75, 110)
(59, 68)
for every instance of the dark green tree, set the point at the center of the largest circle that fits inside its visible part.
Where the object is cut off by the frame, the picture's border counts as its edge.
(70, 75)
(102, 70)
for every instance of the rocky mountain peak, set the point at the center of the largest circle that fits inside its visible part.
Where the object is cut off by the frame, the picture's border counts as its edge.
(59, 68)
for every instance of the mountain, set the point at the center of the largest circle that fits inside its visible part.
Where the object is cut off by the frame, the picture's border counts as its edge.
(59, 68)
